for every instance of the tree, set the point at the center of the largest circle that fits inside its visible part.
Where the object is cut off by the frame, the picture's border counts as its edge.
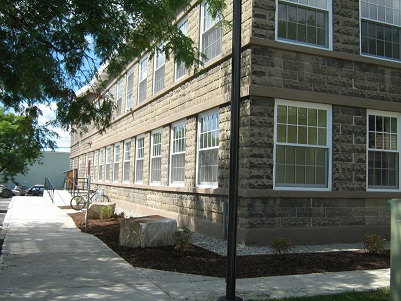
(21, 142)
(51, 47)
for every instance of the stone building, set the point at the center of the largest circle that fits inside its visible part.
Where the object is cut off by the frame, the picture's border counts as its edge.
(319, 122)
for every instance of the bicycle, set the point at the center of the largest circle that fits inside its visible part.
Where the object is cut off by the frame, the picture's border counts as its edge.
(79, 201)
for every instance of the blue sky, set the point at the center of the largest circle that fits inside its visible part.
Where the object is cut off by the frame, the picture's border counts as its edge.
(49, 113)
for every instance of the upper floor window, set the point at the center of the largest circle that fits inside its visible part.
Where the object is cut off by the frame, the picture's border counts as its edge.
(129, 88)
(119, 99)
(139, 159)
(210, 33)
(158, 77)
(116, 162)
(383, 151)
(380, 28)
(305, 22)
(177, 160)
(142, 80)
(302, 145)
(208, 149)
(180, 68)
(156, 157)
(127, 160)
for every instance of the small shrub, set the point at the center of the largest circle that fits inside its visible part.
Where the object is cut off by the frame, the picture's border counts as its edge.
(280, 245)
(118, 216)
(182, 238)
(374, 243)
(105, 212)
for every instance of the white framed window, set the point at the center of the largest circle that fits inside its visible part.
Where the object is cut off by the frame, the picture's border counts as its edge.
(180, 69)
(129, 89)
(208, 149)
(381, 28)
(116, 162)
(159, 70)
(100, 169)
(108, 163)
(210, 33)
(177, 153)
(307, 22)
(119, 99)
(156, 157)
(95, 161)
(86, 166)
(383, 151)
(127, 161)
(139, 158)
(142, 79)
(302, 152)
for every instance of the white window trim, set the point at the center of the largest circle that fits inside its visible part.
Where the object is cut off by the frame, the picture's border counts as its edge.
(119, 97)
(108, 165)
(179, 123)
(389, 114)
(180, 25)
(142, 76)
(101, 159)
(158, 55)
(329, 29)
(130, 77)
(360, 37)
(139, 159)
(329, 138)
(200, 116)
(116, 160)
(152, 156)
(126, 142)
(202, 32)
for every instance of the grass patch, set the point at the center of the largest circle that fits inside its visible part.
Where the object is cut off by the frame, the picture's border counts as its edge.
(382, 294)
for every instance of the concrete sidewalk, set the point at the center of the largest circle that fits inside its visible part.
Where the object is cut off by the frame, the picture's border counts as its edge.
(45, 257)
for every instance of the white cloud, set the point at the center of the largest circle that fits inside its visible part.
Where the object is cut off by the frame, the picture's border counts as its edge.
(49, 113)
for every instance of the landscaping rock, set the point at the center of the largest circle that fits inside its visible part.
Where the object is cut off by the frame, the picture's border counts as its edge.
(147, 231)
(95, 209)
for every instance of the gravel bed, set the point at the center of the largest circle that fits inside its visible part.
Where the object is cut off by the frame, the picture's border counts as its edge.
(219, 246)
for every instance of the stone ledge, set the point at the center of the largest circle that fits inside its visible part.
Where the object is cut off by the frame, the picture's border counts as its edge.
(95, 209)
(147, 231)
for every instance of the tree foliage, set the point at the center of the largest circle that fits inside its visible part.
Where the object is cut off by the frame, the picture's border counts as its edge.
(51, 47)
(21, 142)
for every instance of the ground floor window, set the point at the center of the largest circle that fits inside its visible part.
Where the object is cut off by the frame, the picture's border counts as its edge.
(156, 157)
(139, 158)
(383, 150)
(302, 145)
(208, 149)
(177, 160)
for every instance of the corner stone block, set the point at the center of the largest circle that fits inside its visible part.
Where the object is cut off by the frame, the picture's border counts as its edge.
(147, 231)
(95, 209)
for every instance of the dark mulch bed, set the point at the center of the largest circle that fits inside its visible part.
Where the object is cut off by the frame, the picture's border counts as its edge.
(203, 262)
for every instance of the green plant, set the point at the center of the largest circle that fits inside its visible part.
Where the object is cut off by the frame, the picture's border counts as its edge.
(118, 216)
(105, 212)
(374, 243)
(182, 238)
(280, 245)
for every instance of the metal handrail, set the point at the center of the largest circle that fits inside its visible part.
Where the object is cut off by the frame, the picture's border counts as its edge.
(50, 188)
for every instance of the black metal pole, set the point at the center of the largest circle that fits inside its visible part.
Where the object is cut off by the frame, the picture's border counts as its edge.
(234, 155)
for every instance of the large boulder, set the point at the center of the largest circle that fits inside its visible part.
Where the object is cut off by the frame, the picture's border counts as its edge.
(147, 231)
(95, 209)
